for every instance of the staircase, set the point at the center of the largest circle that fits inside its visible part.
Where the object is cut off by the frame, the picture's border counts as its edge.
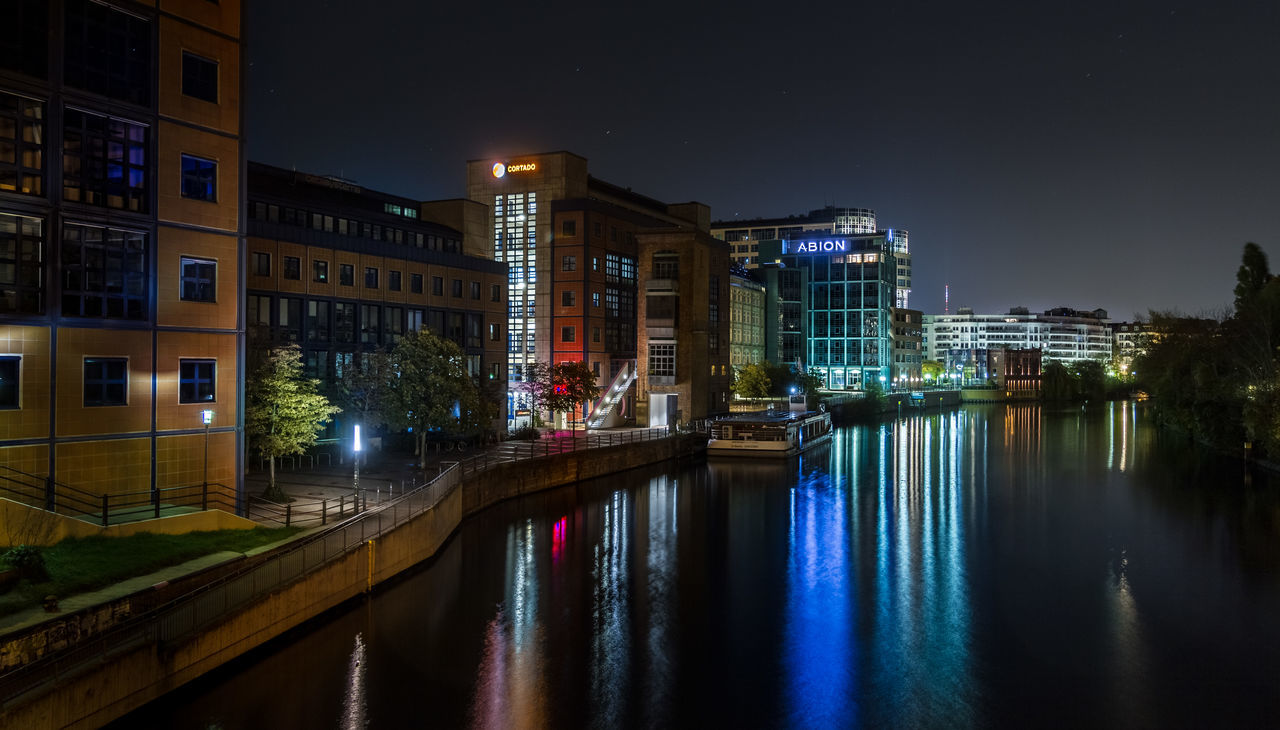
(600, 416)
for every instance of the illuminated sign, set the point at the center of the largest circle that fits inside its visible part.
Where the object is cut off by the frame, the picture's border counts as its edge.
(833, 246)
(500, 169)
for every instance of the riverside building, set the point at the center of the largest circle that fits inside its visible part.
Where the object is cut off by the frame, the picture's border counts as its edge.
(340, 269)
(1062, 334)
(120, 243)
(571, 243)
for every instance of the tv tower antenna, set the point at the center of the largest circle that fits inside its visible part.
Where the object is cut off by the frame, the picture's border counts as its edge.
(946, 299)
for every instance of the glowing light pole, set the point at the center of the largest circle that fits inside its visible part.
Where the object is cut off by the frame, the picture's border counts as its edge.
(207, 417)
(355, 477)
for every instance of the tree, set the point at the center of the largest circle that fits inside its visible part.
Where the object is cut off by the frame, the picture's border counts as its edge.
(1091, 379)
(364, 391)
(932, 371)
(569, 385)
(1252, 275)
(810, 382)
(284, 412)
(431, 390)
(1056, 382)
(536, 382)
(752, 381)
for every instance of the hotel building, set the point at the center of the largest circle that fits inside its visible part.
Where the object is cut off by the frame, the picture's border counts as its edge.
(120, 242)
(571, 243)
(340, 270)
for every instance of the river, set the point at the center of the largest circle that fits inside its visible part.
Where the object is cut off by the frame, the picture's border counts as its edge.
(1006, 566)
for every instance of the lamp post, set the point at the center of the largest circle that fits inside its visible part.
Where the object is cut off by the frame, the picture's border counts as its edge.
(207, 417)
(355, 476)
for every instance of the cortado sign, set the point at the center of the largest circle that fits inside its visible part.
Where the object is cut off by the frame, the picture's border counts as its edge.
(500, 169)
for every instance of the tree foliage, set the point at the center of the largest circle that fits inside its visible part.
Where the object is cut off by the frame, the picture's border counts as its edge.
(431, 390)
(1252, 275)
(568, 386)
(365, 390)
(752, 381)
(284, 412)
(932, 370)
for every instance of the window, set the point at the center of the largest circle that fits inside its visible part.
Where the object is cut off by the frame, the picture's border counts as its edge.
(106, 381)
(108, 52)
(457, 288)
(292, 268)
(346, 274)
(24, 37)
(318, 328)
(595, 298)
(104, 161)
(495, 331)
(344, 322)
(104, 273)
(475, 290)
(415, 283)
(199, 77)
(290, 321)
(437, 286)
(666, 265)
(21, 145)
(21, 264)
(595, 334)
(495, 293)
(393, 324)
(199, 178)
(567, 334)
(595, 263)
(261, 264)
(569, 228)
(568, 298)
(258, 311)
(195, 381)
(414, 320)
(320, 271)
(569, 263)
(393, 280)
(199, 280)
(474, 323)
(662, 360)
(10, 387)
(370, 277)
(369, 314)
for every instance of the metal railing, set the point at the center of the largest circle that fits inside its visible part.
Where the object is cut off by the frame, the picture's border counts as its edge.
(115, 507)
(210, 603)
(512, 451)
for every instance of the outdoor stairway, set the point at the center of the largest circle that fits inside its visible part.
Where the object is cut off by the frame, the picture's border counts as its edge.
(612, 396)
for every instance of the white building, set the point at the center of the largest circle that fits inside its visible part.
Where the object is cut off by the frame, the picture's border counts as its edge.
(1066, 335)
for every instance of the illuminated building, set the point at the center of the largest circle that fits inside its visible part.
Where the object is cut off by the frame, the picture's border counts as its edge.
(747, 238)
(120, 242)
(747, 324)
(847, 321)
(1063, 334)
(908, 347)
(571, 244)
(340, 269)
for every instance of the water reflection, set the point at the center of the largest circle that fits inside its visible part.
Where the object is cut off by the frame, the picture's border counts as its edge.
(354, 702)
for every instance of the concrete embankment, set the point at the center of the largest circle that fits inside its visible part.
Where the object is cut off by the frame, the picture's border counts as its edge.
(94, 692)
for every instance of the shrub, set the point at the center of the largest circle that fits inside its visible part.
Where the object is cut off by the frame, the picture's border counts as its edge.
(28, 560)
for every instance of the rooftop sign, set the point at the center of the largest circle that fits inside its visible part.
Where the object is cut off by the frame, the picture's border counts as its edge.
(834, 245)
(500, 169)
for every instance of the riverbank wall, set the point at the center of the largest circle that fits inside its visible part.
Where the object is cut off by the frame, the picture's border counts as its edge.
(99, 687)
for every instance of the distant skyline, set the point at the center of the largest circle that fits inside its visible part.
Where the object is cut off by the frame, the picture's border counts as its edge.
(1084, 155)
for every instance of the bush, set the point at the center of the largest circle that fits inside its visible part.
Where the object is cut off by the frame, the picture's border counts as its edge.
(28, 560)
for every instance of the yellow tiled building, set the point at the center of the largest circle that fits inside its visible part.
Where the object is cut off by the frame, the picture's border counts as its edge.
(121, 242)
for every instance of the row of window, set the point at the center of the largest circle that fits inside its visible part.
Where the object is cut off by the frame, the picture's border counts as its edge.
(106, 381)
(105, 160)
(570, 228)
(292, 270)
(283, 214)
(324, 321)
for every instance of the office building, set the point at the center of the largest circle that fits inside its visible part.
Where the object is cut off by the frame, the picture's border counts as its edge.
(908, 348)
(571, 242)
(340, 269)
(1062, 334)
(120, 243)
(747, 324)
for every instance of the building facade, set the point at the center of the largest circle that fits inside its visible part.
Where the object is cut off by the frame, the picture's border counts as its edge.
(747, 324)
(847, 327)
(570, 241)
(339, 270)
(120, 242)
(908, 348)
(1063, 334)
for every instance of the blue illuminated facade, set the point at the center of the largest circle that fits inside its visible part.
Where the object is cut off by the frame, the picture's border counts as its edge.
(848, 318)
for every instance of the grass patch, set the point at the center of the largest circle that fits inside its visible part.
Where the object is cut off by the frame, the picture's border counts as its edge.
(82, 564)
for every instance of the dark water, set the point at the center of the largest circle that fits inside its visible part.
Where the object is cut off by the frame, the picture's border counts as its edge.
(995, 566)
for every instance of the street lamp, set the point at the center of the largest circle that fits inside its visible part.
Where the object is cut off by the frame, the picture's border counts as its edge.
(207, 417)
(355, 477)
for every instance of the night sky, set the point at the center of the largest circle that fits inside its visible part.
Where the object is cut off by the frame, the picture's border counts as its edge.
(1084, 154)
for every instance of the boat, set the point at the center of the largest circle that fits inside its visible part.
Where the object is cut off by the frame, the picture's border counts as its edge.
(769, 433)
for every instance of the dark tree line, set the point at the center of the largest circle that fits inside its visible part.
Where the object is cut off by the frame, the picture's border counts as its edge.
(1217, 378)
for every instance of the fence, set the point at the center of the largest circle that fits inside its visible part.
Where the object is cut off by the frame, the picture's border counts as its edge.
(206, 605)
(524, 450)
